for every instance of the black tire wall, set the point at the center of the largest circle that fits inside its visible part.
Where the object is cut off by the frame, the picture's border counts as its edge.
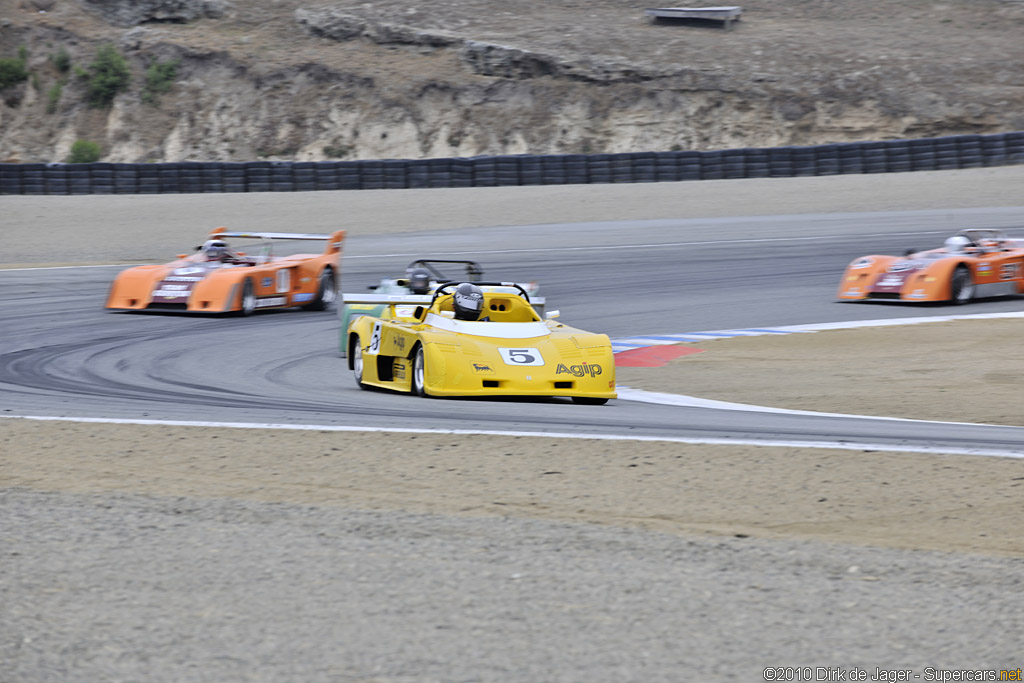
(889, 156)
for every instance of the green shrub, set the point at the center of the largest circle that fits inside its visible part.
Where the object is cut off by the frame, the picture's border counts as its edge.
(53, 97)
(337, 151)
(84, 152)
(62, 60)
(109, 75)
(159, 79)
(12, 71)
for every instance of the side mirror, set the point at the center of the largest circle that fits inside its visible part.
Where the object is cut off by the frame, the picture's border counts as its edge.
(910, 252)
(551, 315)
(419, 313)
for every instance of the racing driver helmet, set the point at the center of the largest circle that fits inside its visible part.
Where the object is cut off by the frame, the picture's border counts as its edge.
(419, 280)
(215, 250)
(957, 244)
(468, 301)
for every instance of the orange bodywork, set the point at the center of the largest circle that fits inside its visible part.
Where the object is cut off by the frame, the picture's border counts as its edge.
(990, 265)
(243, 283)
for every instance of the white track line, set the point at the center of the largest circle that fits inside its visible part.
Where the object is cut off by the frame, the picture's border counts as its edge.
(842, 445)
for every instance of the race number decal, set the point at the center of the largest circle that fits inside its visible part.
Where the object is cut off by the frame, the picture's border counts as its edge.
(521, 356)
(284, 280)
(374, 348)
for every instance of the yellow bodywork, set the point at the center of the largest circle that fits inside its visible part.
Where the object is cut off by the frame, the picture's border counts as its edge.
(510, 352)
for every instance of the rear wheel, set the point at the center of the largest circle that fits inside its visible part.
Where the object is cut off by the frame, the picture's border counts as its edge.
(419, 373)
(589, 401)
(961, 286)
(326, 291)
(247, 302)
(357, 362)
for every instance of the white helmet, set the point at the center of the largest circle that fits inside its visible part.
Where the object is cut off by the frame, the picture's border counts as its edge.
(957, 244)
(215, 250)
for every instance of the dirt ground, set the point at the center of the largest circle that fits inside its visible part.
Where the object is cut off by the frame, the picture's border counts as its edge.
(957, 371)
(905, 500)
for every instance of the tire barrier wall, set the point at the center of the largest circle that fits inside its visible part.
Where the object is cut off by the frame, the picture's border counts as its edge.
(926, 154)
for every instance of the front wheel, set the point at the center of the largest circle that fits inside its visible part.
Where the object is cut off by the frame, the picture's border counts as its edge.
(589, 401)
(247, 302)
(357, 362)
(961, 286)
(419, 382)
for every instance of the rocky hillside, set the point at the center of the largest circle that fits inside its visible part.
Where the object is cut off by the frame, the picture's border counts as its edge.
(239, 80)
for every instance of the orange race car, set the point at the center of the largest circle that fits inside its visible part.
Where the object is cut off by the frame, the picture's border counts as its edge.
(219, 279)
(974, 263)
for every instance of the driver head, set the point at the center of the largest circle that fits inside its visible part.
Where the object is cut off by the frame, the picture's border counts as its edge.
(419, 280)
(215, 250)
(468, 301)
(957, 244)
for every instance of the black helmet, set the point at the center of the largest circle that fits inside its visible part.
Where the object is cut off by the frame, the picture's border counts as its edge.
(419, 280)
(468, 301)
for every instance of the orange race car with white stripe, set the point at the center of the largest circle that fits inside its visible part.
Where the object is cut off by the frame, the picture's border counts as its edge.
(974, 263)
(219, 278)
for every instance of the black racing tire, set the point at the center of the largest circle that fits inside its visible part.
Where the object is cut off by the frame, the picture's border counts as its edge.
(355, 352)
(419, 387)
(326, 291)
(589, 400)
(247, 300)
(961, 286)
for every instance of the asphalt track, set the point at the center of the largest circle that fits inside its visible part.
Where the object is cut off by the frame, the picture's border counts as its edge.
(65, 356)
(108, 586)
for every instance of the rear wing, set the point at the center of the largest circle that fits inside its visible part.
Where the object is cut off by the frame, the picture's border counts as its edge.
(537, 302)
(334, 240)
(386, 299)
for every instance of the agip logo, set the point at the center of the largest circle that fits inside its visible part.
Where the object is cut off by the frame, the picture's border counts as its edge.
(581, 370)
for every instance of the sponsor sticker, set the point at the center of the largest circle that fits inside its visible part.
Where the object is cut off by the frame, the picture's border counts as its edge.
(1008, 271)
(170, 294)
(269, 301)
(863, 263)
(266, 282)
(483, 369)
(298, 298)
(581, 370)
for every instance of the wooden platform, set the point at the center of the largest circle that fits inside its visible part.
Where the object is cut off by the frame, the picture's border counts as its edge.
(723, 14)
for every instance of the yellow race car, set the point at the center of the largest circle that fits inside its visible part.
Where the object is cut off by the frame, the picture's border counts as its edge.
(478, 339)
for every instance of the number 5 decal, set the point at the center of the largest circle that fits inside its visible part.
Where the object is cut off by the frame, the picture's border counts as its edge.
(374, 348)
(521, 356)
